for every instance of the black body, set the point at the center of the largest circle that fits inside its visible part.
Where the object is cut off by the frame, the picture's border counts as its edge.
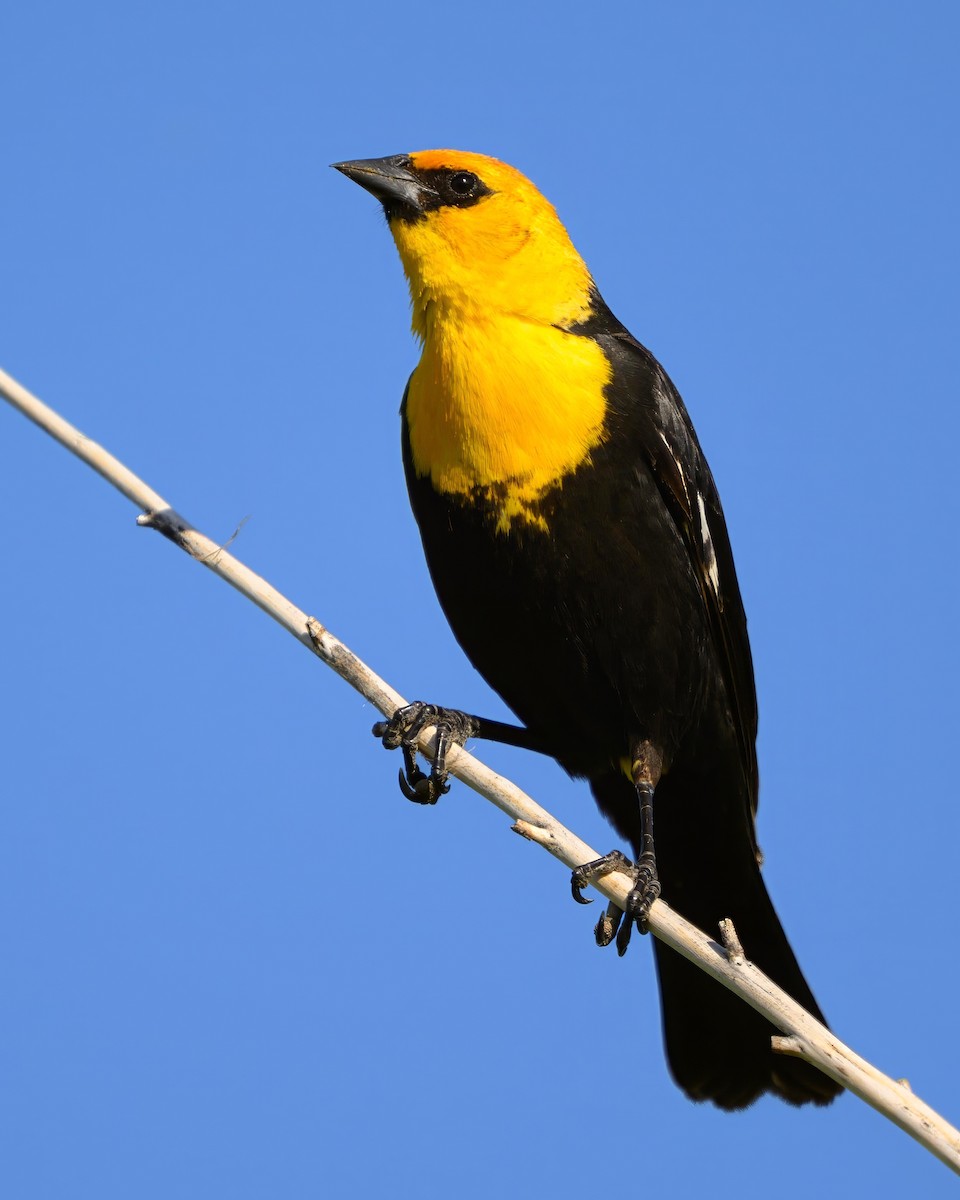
(623, 622)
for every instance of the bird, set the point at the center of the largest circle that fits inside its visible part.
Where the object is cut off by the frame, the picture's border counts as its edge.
(575, 538)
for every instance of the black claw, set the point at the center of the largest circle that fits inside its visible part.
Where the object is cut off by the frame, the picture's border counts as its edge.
(607, 926)
(402, 732)
(420, 788)
(410, 768)
(588, 872)
(646, 888)
(641, 899)
(408, 789)
(577, 884)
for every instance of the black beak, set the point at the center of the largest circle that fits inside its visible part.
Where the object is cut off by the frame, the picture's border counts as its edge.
(392, 180)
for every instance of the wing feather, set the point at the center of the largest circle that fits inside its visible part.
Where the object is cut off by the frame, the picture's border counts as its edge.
(673, 455)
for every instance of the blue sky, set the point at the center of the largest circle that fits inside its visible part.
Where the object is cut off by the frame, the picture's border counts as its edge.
(235, 961)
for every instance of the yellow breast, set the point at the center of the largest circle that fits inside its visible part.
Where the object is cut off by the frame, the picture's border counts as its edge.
(504, 406)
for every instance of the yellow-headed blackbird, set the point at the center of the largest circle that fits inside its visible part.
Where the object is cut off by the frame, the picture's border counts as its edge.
(577, 544)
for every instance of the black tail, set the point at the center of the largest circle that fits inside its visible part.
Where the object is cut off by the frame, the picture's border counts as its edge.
(718, 1047)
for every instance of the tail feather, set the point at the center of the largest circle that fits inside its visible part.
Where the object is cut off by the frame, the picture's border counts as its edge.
(718, 1047)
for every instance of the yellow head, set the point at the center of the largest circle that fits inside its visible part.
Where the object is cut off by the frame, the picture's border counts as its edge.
(476, 239)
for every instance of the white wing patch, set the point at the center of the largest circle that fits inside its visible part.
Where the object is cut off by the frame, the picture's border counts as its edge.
(679, 465)
(709, 554)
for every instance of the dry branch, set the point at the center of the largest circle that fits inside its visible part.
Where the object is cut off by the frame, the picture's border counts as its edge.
(805, 1037)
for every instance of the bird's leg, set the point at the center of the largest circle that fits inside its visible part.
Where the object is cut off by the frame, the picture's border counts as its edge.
(647, 765)
(646, 769)
(453, 728)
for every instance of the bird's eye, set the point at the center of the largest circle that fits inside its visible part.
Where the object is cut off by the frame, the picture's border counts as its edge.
(463, 183)
(446, 187)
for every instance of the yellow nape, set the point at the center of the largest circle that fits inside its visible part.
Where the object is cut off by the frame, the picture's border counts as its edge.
(503, 399)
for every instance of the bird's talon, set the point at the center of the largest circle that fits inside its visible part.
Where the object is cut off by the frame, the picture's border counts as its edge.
(403, 728)
(641, 899)
(577, 883)
(606, 928)
(402, 732)
(421, 788)
(646, 889)
(409, 789)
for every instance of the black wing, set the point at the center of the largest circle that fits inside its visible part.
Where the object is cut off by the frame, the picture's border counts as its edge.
(670, 448)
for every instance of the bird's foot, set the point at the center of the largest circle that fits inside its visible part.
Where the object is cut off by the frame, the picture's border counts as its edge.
(403, 731)
(646, 889)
